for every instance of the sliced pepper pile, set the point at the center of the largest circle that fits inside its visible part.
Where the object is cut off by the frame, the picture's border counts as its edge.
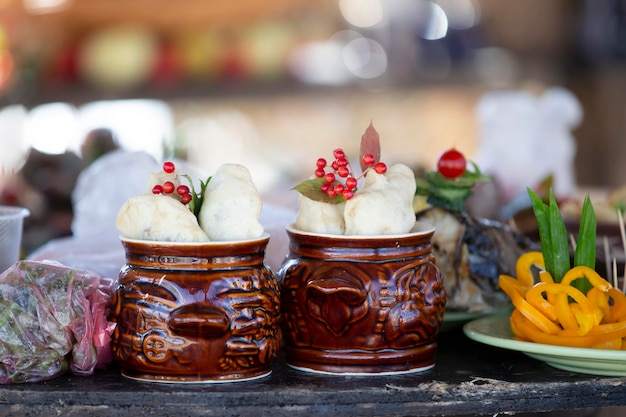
(558, 313)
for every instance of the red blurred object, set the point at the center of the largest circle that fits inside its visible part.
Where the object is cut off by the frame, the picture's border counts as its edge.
(168, 68)
(6, 68)
(66, 65)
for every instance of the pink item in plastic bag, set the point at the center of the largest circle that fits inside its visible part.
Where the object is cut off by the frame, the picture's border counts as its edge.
(52, 319)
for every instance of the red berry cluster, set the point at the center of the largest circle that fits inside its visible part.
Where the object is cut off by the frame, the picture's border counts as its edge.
(332, 186)
(168, 186)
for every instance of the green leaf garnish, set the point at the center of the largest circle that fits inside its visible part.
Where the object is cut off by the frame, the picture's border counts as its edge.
(196, 198)
(312, 190)
(449, 193)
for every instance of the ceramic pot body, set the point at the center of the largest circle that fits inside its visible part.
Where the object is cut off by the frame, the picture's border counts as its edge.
(203, 312)
(361, 305)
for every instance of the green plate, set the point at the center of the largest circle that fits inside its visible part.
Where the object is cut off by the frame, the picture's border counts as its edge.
(455, 319)
(496, 331)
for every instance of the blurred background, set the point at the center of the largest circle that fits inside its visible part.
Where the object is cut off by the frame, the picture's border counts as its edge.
(274, 85)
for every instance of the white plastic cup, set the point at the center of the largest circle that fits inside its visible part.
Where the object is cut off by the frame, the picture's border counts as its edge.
(11, 226)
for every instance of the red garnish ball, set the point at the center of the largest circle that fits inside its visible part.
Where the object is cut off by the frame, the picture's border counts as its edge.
(321, 163)
(319, 173)
(168, 167)
(368, 159)
(168, 187)
(380, 167)
(185, 198)
(452, 164)
(339, 153)
(329, 178)
(351, 183)
(182, 190)
(343, 172)
(342, 162)
(157, 189)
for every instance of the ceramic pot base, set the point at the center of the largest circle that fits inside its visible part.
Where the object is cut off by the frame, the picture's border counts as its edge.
(169, 379)
(387, 362)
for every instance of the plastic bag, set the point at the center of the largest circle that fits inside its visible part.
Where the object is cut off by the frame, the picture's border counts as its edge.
(53, 319)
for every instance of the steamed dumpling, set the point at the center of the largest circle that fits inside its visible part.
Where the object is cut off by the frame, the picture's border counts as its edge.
(232, 205)
(158, 217)
(315, 216)
(384, 205)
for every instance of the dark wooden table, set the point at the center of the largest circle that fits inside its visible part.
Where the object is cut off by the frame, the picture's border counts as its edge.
(468, 379)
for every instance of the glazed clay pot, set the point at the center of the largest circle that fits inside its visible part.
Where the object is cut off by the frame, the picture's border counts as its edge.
(361, 304)
(196, 312)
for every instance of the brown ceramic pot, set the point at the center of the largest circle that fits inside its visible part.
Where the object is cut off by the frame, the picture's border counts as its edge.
(361, 304)
(196, 312)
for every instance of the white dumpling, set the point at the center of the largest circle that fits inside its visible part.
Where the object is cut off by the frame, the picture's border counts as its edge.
(232, 205)
(384, 205)
(318, 217)
(160, 218)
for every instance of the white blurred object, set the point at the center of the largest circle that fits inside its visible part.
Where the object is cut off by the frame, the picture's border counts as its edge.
(524, 138)
(103, 187)
(13, 142)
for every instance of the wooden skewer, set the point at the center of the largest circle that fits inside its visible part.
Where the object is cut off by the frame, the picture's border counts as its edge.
(615, 283)
(623, 234)
(607, 260)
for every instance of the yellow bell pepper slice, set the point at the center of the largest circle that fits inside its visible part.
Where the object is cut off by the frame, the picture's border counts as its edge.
(535, 297)
(510, 287)
(598, 335)
(569, 318)
(584, 271)
(524, 264)
(600, 300)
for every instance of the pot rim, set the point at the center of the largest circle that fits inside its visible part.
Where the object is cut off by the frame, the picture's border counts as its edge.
(420, 228)
(264, 236)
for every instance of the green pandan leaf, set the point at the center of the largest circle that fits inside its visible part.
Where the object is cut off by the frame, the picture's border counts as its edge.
(311, 189)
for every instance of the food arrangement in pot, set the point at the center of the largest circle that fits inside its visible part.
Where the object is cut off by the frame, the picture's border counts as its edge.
(195, 301)
(361, 291)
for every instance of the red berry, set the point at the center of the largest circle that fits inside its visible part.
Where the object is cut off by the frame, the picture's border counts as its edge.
(168, 167)
(347, 194)
(368, 159)
(351, 183)
(335, 165)
(157, 189)
(331, 192)
(182, 190)
(329, 178)
(342, 162)
(380, 168)
(343, 172)
(452, 164)
(339, 188)
(325, 187)
(168, 187)
(185, 198)
(321, 163)
(319, 173)
(339, 153)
